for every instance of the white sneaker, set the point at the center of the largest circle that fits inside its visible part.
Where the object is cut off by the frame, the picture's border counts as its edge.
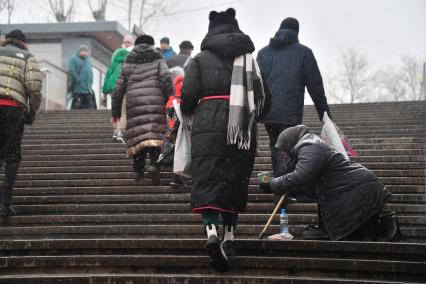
(120, 137)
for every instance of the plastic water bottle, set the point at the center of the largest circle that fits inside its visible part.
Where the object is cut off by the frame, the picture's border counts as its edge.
(285, 234)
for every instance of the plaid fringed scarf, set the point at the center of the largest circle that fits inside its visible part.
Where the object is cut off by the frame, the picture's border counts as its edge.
(246, 103)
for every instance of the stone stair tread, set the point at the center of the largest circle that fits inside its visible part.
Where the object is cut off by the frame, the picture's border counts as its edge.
(234, 276)
(82, 218)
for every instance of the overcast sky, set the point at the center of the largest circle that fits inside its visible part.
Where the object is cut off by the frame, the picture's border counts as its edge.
(381, 29)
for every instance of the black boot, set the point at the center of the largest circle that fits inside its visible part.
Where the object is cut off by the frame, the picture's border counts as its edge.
(389, 229)
(138, 176)
(314, 232)
(154, 174)
(5, 210)
(10, 171)
(176, 181)
(213, 246)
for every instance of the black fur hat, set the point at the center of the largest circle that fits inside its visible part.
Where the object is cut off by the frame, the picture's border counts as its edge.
(146, 39)
(223, 18)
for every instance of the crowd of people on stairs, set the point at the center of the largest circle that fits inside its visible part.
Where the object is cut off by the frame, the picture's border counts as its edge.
(226, 92)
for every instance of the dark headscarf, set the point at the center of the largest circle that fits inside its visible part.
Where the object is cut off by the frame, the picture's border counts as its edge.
(290, 137)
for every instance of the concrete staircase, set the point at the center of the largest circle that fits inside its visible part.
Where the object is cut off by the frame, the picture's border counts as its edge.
(82, 219)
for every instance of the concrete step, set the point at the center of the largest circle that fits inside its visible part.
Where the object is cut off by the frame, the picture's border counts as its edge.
(136, 189)
(298, 258)
(165, 219)
(127, 179)
(263, 146)
(173, 207)
(82, 219)
(176, 277)
(262, 149)
(162, 198)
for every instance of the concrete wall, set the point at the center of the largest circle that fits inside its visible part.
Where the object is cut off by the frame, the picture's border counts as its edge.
(54, 87)
(48, 51)
(54, 56)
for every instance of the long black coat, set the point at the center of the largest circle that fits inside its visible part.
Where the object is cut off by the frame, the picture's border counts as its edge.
(220, 173)
(287, 67)
(348, 194)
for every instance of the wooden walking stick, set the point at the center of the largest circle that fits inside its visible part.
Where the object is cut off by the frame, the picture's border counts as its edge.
(262, 234)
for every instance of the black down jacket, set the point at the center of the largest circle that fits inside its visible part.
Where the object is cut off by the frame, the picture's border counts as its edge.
(146, 81)
(287, 68)
(348, 194)
(220, 173)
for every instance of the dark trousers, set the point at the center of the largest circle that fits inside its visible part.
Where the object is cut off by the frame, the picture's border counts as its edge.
(278, 160)
(11, 132)
(83, 101)
(211, 216)
(139, 159)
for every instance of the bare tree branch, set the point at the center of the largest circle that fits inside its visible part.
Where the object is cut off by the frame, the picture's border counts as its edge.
(60, 12)
(409, 74)
(391, 86)
(3, 4)
(355, 81)
(99, 10)
(129, 13)
(9, 5)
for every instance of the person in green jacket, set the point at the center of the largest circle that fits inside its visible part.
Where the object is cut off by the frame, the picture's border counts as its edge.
(111, 76)
(81, 79)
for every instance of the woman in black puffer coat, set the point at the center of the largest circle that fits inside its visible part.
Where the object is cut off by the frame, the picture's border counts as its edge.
(146, 82)
(220, 172)
(350, 197)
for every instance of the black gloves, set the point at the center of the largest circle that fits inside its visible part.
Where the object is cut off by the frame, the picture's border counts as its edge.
(276, 185)
(29, 117)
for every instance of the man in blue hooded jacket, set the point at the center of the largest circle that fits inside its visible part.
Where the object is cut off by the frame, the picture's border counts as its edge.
(287, 68)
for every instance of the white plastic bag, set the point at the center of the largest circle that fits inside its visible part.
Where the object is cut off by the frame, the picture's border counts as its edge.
(331, 136)
(182, 159)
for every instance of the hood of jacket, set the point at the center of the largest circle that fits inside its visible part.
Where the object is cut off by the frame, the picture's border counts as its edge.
(143, 53)
(290, 137)
(227, 41)
(119, 55)
(283, 38)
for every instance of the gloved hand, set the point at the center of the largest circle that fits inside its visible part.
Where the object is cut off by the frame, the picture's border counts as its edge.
(264, 179)
(276, 184)
(29, 117)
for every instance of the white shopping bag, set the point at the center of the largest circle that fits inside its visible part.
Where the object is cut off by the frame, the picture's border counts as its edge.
(331, 135)
(182, 159)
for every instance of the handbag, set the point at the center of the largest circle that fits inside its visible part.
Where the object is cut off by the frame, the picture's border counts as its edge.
(167, 153)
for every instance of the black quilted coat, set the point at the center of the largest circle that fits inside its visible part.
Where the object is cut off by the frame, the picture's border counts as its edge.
(220, 173)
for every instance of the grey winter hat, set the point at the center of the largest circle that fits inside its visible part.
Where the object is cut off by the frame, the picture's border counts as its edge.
(290, 23)
(290, 137)
(83, 47)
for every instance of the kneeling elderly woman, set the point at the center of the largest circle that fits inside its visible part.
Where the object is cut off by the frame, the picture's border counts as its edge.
(350, 197)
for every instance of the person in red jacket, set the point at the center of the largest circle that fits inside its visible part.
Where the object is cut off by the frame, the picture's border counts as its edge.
(173, 122)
